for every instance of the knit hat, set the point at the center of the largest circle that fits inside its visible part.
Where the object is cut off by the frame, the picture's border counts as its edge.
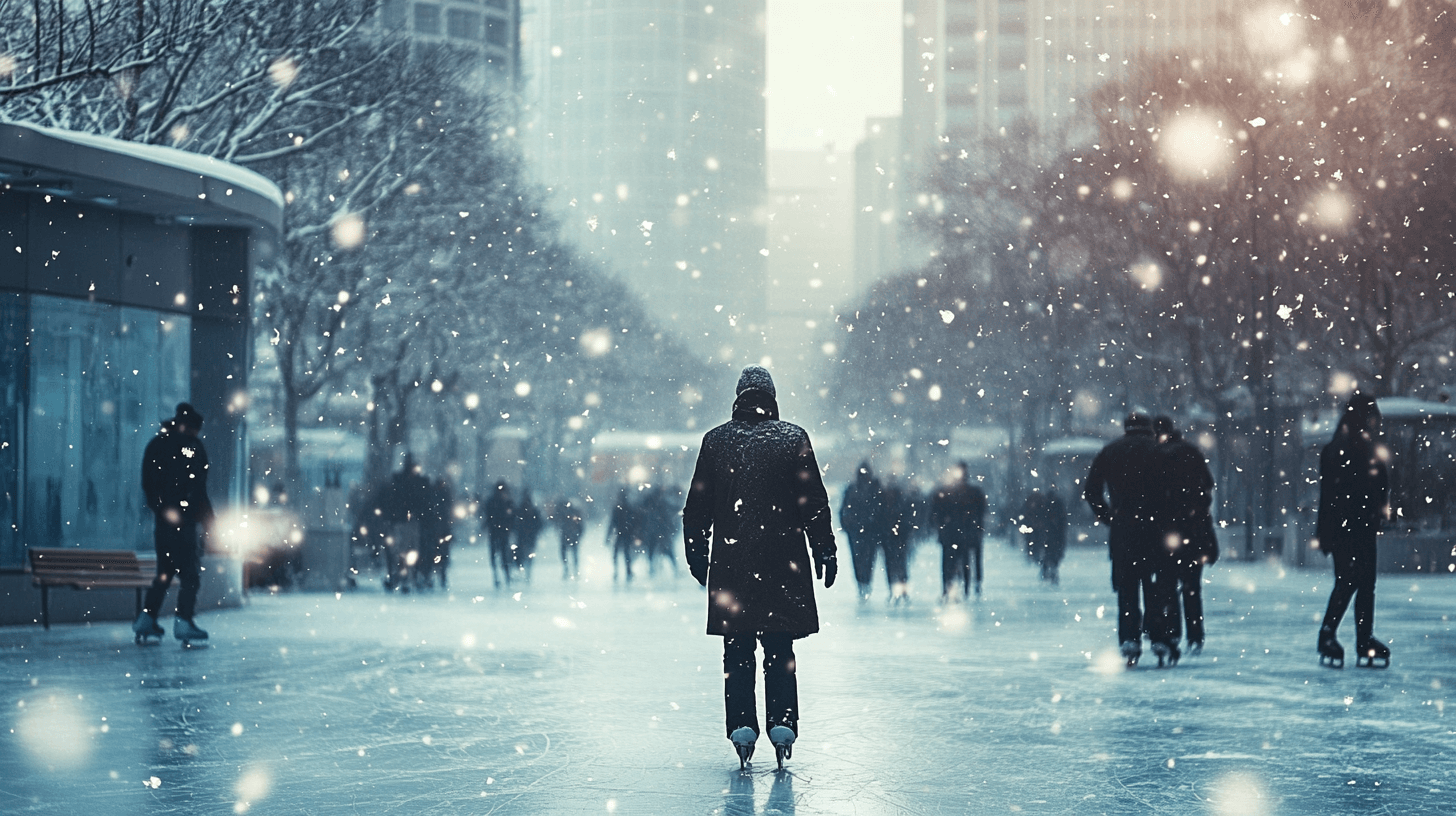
(758, 378)
(187, 415)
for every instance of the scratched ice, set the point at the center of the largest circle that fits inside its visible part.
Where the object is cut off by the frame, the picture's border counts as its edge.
(606, 699)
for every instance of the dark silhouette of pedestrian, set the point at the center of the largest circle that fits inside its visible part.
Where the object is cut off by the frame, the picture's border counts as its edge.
(861, 515)
(1354, 496)
(756, 496)
(500, 521)
(527, 531)
(174, 480)
(897, 524)
(659, 528)
(569, 524)
(402, 505)
(1125, 491)
(436, 536)
(958, 513)
(624, 529)
(1192, 542)
(1043, 522)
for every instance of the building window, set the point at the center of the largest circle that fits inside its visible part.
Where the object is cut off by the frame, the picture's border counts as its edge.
(463, 24)
(427, 18)
(504, 5)
(498, 32)
(393, 13)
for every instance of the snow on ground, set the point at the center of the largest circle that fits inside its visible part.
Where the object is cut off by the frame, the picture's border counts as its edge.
(594, 698)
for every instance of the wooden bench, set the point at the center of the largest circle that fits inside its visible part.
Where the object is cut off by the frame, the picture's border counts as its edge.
(86, 569)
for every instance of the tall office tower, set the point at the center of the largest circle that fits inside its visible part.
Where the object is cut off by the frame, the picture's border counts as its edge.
(646, 120)
(489, 28)
(877, 213)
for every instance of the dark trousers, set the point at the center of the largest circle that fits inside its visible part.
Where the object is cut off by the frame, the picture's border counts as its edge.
(178, 554)
(501, 562)
(1189, 575)
(862, 550)
(1146, 600)
(897, 560)
(957, 557)
(570, 559)
(1354, 577)
(780, 686)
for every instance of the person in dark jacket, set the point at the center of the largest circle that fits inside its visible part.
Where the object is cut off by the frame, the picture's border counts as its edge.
(1192, 542)
(756, 495)
(624, 531)
(500, 520)
(958, 512)
(1043, 520)
(1125, 491)
(569, 523)
(1354, 496)
(437, 532)
(527, 531)
(897, 523)
(659, 523)
(402, 505)
(174, 480)
(860, 515)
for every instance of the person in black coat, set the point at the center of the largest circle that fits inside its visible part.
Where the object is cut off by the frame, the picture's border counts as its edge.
(570, 520)
(435, 535)
(1192, 542)
(402, 505)
(1354, 496)
(500, 520)
(1043, 520)
(527, 531)
(624, 532)
(174, 480)
(958, 512)
(897, 522)
(861, 515)
(1125, 491)
(756, 495)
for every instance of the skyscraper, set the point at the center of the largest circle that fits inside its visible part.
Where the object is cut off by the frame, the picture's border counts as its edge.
(490, 28)
(646, 120)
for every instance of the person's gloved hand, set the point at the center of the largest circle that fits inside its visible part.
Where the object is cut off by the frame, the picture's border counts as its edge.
(827, 570)
(699, 574)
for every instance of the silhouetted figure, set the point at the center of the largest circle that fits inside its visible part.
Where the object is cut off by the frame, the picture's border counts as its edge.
(1128, 471)
(527, 531)
(569, 523)
(402, 505)
(958, 513)
(755, 496)
(625, 532)
(1043, 521)
(174, 480)
(1354, 492)
(436, 536)
(862, 516)
(659, 528)
(897, 525)
(1192, 542)
(500, 520)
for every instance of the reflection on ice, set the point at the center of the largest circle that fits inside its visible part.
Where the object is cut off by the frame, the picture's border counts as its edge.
(1239, 794)
(55, 731)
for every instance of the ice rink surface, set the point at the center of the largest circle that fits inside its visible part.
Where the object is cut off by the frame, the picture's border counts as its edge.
(595, 698)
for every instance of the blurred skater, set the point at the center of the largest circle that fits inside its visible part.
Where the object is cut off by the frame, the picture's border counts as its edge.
(1125, 491)
(400, 507)
(500, 519)
(1354, 491)
(861, 515)
(1043, 520)
(569, 523)
(527, 531)
(660, 524)
(624, 532)
(756, 494)
(174, 481)
(896, 527)
(1192, 542)
(958, 512)
(436, 536)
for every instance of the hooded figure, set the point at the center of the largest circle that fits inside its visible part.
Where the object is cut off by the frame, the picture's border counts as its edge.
(860, 515)
(1190, 537)
(1354, 490)
(174, 479)
(756, 496)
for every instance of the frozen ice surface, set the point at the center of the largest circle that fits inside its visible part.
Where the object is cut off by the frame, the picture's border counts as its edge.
(593, 699)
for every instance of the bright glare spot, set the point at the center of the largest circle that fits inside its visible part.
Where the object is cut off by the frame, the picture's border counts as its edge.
(251, 787)
(1148, 274)
(562, 622)
(54, 732)
(523, 389)
(638, 474)
(1194, 147)
(437, 386)
(1109, 661)
(622, 192)
(283, 71)
(955, 618)
(576, 423)
(7, 65)
(1342, 383)
(1239, 794)
(712, 164)
(596, 342)
(829, 349)
(1333, 210)
(472, 401)
(348, 231)
(467, 640)
(237, 729)
(1121, 189)
(947, 316)
(935, 393)
(1274, 30)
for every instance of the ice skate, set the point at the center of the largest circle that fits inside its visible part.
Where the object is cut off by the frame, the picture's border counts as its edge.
(1195, 648)
(1167, 653)
(188, 632)
(1372, 654)
(1131, 651)
(1331, 653)
(147, 628)
(782, 738)
(743, 740)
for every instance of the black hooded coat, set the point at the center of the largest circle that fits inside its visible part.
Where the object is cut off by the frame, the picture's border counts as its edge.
(1354, 482)
(755, 497)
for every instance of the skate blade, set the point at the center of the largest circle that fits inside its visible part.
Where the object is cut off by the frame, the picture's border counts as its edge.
(148, 640)
(1332, 662)
(1365, 662)
(196, 644)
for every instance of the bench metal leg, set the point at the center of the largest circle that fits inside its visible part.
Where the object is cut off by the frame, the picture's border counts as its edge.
(45, 606)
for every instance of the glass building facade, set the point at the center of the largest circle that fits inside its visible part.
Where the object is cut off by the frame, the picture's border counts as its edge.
(123, 291)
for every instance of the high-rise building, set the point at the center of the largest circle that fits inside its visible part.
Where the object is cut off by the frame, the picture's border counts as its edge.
(877, 215)
(489, 28)
(645, 118)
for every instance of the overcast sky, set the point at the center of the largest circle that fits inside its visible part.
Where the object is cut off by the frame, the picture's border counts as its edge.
(831, 64)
